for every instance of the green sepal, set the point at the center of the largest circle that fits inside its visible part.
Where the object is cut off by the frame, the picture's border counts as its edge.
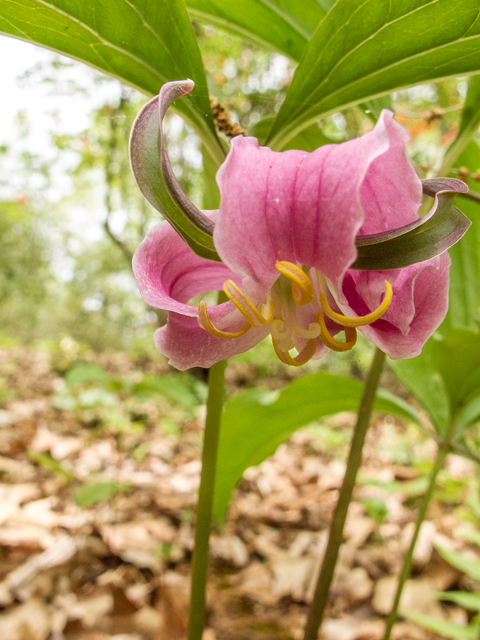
(155, 178)
(421, 240)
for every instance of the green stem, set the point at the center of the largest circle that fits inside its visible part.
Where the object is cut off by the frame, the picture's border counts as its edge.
(442, 451)
(320, 598)
(216, 379)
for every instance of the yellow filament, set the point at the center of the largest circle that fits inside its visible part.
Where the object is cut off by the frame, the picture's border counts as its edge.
(208, 326)
(329, 341)
(246, 306)
(304, 356)
(360, 321)
(302, 288)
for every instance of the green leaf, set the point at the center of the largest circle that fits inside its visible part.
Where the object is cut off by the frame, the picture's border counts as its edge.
(470, 601)
(97, 492)
(45, 460)
(445, 377)
(373, 107)
(468, 126)
(422, 378)
(471, 536)
(461, 562)
(155, 177)
(282, 25)
(178, 387)
(363, 49)
(428, 237)
(469, 414)
(254, 423)
(307, 140)
(85, 373)
(96, 398)
(211, 192)
(142, 43)
(464, 295)
(445, 628)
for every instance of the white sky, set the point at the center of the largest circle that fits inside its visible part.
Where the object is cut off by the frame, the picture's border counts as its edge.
(17, 57)
(45, 113)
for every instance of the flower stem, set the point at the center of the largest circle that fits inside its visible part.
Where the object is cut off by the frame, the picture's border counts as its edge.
(216, 379)
(320, 598)
(442, 451)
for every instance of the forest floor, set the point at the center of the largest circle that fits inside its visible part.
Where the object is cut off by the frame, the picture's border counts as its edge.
(99, 467)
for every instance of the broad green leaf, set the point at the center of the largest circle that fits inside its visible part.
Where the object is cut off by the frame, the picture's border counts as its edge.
(96, 398)
(176, 386)
(86, 373)
(425, 382)
(445, 628)
(471, 536)
(45, 460)
(470, 601)
(307, 140)
(253, 425)
(430, 236)
(445, 377)
(97, 492)
(457, 358)
(142, 43)
(464, 307)
(211, 192)
(155, 177)
(373, 107)
(283, 25)
(468, 126)
(469, 414)
(461, 562)
(363, 49)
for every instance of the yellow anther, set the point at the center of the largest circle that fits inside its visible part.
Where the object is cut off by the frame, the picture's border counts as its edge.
(302, 288)
(360, 321)
(246, 307)
(304, 356)
(329, 341)
(208, 326)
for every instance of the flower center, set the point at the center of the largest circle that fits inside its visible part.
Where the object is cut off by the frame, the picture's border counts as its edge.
(293, 290)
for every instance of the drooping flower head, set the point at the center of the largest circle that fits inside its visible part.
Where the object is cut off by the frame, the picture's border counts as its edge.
(288, 232)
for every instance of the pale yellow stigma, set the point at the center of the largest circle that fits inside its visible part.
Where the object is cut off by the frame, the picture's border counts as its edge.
(302, 289)
(208, 326)
(330, 342)
(360, 321)
(246, 307)
(303, 357)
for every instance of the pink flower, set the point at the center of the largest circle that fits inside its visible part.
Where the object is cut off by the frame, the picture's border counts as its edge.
(286, 232)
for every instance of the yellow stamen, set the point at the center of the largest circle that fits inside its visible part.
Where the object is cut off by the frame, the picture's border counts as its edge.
(302, 288)
(329, 341)
(360, 321)
(246, 306)
(208, 326)
(304, 356)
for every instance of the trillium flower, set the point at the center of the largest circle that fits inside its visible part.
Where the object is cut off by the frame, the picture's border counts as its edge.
(288, 233)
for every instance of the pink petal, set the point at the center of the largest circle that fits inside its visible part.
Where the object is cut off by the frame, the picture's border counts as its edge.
(419, 304)
(187, 345)
(307, 208)
(391, 193)
(169, 273)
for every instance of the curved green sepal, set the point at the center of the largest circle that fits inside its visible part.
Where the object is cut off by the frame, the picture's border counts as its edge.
(421, 240)
(145, 154)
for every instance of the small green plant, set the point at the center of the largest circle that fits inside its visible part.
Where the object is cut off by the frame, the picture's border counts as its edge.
(466, 599)
(96, 492)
